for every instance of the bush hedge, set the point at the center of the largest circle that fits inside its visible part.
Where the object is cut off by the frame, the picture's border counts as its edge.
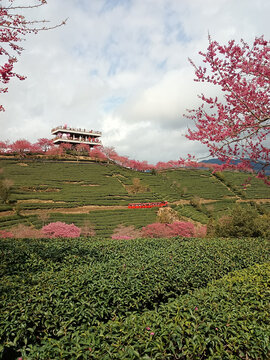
(53, 290)
(227, 320)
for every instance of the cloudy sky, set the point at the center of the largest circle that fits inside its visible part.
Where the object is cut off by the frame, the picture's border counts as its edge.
(121, 67)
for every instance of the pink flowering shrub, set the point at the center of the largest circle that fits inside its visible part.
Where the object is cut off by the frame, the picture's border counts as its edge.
(122, 232)
(177, 228)
(5, 234)
(156, 230)
(182, 228)
(60, 229)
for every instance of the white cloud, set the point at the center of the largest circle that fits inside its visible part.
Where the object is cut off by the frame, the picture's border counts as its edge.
(122, 67)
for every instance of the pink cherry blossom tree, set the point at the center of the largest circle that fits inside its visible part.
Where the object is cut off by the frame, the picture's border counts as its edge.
(82, 149)
(236, 126)
(14, 28)
(61, 229)
(21, 147)
(45, 144)
(3, 147)
(97, 154)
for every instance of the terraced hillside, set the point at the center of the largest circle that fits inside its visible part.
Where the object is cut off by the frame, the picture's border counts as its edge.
(103, 298)
(99, 193)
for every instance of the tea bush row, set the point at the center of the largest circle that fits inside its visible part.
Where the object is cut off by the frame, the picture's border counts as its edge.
(105, 221)
(55, 288)
(199, 183)
(254, 188)
(192, 213)
(9, 221)
(227, 320)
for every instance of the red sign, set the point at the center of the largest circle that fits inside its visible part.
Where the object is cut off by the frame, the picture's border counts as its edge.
(147, 205)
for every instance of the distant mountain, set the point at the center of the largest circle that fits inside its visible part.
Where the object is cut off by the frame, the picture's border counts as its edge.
(256, 167)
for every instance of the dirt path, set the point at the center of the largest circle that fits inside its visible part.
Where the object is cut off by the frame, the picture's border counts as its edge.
(77, 210)
(258, 201)
(87, 208)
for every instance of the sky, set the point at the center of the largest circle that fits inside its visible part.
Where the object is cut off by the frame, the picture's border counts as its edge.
(121, 67)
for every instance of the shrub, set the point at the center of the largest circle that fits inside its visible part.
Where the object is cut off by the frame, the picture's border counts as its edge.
(5, 189)
(167, 215)
(195, 201)
(262, 223)
(177, 228)
(60, 229)
(241, 222)
(156, 230)
(44, 217)
(137, 187)
(182, 228)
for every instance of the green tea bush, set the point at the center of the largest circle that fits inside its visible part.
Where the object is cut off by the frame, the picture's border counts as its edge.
(53, 291)
(227, 320)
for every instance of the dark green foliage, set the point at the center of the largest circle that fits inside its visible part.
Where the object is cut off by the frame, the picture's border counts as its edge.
(241, 221)
(56, 295)
(228, 320)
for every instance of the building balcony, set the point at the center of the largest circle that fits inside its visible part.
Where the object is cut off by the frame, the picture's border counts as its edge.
(92, 142)
(77, 131)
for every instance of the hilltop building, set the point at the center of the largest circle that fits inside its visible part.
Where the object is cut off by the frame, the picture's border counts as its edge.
(73, 136)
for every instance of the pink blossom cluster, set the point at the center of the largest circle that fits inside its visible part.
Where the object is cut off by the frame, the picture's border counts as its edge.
(236, 126)
(14, 28)
(61, 229)
(177, 228)
(23, 146)
(52, 230)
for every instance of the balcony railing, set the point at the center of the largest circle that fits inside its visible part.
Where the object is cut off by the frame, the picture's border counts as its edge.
(75, 130)
(76, 140)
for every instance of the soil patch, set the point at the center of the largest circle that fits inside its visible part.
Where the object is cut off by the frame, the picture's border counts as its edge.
(73, 182)
(39, 189)
(22, 164)
(90, 185)
(187, 202)
(258, 201)
(77, 210)
(39, 201)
